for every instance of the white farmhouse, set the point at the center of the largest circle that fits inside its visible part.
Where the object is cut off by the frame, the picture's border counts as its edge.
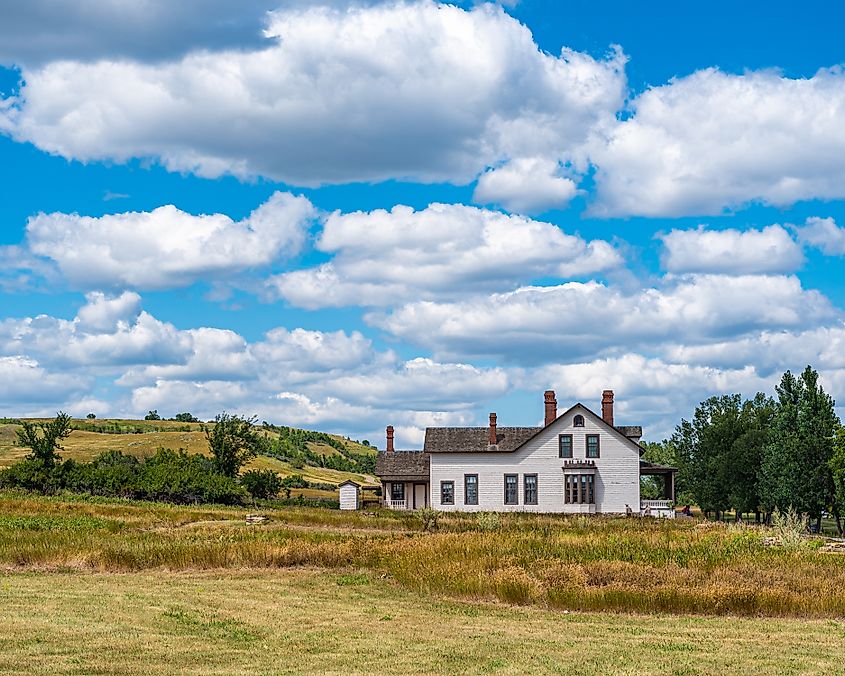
(577, 463)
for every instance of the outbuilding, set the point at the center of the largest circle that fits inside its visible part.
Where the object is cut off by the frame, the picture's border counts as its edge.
(350, 493)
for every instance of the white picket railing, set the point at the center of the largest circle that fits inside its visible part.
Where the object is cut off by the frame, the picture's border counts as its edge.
(395, 504)
(663, 508)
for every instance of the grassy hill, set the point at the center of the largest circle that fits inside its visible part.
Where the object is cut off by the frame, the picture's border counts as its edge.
(142, 437)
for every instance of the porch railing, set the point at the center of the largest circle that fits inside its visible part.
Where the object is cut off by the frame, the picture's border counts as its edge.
(661, 508)
(656, 504)
(395, 504)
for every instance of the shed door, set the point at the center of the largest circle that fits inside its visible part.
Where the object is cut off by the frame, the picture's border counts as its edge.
(420, 495)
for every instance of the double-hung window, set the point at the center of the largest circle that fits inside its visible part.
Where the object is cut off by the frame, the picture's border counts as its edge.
(470, 489)
(397, 492)
(511, 489)
(565, 445)
(530, 489)
(592, 445)
(447, 492)
(580, 489)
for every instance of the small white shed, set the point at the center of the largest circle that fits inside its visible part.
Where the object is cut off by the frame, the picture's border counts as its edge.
(349, 495)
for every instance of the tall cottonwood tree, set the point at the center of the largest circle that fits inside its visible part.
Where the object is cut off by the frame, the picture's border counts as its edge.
(796, 466)
(720, 449)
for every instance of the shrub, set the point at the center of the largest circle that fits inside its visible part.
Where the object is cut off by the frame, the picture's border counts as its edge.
(30, 474)
(176, 476)
(261, 483)
(789, 528)
(294, 481)
(429, 518)
(488, 521)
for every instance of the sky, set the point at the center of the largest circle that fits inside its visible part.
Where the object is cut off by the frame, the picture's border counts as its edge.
(341, 216)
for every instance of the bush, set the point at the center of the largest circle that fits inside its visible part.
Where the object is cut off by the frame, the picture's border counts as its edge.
(488, 521)
(30, 474)
(175, 476)
(261, 483)
(429, 518)
(294, 481)
(789, 528)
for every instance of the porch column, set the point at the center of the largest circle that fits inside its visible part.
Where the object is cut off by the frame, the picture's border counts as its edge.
(384, 494)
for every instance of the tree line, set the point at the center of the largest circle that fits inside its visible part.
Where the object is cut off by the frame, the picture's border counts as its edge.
(174, 476)
(758, 455)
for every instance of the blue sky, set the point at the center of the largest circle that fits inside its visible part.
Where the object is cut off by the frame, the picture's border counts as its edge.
(342, 216)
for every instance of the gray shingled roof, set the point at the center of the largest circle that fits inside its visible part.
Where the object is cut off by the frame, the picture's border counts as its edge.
(475, 439)
(635, 431)
(403, 466)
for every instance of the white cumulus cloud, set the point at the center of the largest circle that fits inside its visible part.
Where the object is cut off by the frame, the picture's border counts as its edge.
(445, 250)
(569, 321)
(713, 141)
(168, 247)
(415, 90)
(824, 234)
(527, 185)
(731, 251)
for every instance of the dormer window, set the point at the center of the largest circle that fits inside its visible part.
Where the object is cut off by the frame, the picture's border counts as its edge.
(578, 421)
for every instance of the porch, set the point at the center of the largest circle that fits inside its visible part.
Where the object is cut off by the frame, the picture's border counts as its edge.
(664, 507)
(404, 494)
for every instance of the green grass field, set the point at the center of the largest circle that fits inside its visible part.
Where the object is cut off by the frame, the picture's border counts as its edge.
(312, 621)
(111, 586)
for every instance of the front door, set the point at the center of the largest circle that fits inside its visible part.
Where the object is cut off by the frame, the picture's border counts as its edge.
(420, 495)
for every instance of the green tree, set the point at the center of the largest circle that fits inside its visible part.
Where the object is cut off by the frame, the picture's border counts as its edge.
(185, 417)
(152, 415)
(233, 441)
(837, 468)
(796, 466)
(261, 483)
(43, 438)
(720, 451)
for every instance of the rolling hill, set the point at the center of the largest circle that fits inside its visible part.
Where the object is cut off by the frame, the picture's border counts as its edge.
(314, 455)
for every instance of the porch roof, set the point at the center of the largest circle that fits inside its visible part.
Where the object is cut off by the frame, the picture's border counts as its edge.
(651, 468)
(403, 466)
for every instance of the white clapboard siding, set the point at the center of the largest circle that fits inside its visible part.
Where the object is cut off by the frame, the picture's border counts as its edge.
(348, 495)
(617, 471)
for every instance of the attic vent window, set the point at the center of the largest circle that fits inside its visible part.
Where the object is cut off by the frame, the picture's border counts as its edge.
(578, 421)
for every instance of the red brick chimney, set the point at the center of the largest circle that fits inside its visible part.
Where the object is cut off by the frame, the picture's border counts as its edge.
(551, 407)
(390, 439)
(492, 439)
(607, 406)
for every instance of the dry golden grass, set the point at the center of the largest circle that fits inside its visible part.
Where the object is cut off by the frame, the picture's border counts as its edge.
(556, 562)
(307, 621)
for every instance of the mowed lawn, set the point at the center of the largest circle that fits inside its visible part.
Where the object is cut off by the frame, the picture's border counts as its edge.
(312, 621)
